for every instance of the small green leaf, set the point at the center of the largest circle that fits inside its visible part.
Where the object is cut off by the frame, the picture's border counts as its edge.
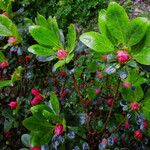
(136, 30)
(97, 42)
(69, 57)
(71, 38)
(5, 83)
(35, 124)
(43, 36)
(117, 21)
(60, 63)
(2, 57)
(40, 50)
(54, 103)
(143, 57)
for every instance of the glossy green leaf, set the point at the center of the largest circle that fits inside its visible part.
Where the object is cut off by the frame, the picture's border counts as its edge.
(2, 57)
(143, 57)
(43, 36)
(35, 124)
(60, 63)
(40, 50)
(117, 21)
(136, 30)
(97, 42)
(40, 20)
(54, 103)
(37, 111)
(147, 37)
(71, 38)
(41, 137)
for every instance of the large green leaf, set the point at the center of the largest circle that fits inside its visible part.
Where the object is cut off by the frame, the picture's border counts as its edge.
(60, 63)
(43, 36)
(97, 42)
(8, 28)
(40, 50)
(37, 111)
(41, 137)
(71, 38)
(54, 103)
(136, 30)
(143, 57)
(147, 38)
(117, 21)
(35, 124)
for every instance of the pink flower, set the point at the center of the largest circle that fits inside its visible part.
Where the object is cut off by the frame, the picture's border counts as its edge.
(12, 40)
(13, 104)
(122, 56)
(126, 84)
(98, 91)
(138, 134)
(38, 97)
(126, 125)
(61, 54)
(35, 92)
(36, 148)
(59, 129)
(34, 102)
(134, 106)
(4, 64)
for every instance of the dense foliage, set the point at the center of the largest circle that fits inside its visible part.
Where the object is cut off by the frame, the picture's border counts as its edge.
(61, 89)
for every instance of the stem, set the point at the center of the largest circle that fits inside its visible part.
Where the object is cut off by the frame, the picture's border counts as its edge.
(111, 108)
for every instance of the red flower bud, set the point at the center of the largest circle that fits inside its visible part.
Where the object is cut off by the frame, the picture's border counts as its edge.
(61, 54)
(34, 102)
(126, 125)
(138, 134)
(110, 102)
(36, 148)
(145, 124)
(59, 129)
(115, 139)
(35, 92)
(134, 106)
(98, 91)
(38, 97)
(63, 73)
(87, 101)
(27, 58)
(4, 64)
(64, 94)
(13, 104)
(122, 56)
(8, 134)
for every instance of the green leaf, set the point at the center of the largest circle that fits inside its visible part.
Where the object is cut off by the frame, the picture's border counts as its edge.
(60, 63)
(26, 140)
(5, 83)
(54, 103)
(40, 20)
(117, 21)
(35, 124)
(71, 38)
(43, 36)
(136, 30)
(41, 137)
(8, 28)
(69, 57)
(53, 26)
(102, 21)
(2, 57)
(97, 42)
(132, 95)
(147, 38)
(143, 57)
(40, 50)
(37, 111)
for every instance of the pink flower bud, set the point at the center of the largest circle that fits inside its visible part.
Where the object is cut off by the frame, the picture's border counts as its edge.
(110, 102)
(59, 129)
(126, 84)
(13, 104)
(115, 139)
(12, 40)
(134, 106)
(38, 97)
(35, 92)
(145, 124)
(61, 54)
(138, 134)
(36, 148)
(98, 91)
(126, 125)
(87, 101)
(34, 102)
(4, 64)
(122, 56)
